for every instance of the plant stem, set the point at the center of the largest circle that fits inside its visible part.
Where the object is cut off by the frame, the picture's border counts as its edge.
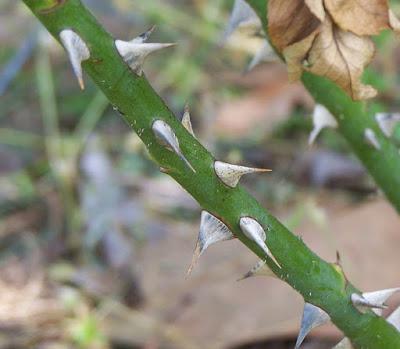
(322, 284)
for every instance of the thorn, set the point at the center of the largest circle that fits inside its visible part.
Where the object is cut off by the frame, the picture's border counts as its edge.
(186, 122)
(375, 300)
(212, 230)
(265, 54)
(144, 36)
(77, 51)
(164, 170)
(394, 319)
(344, 344)
(360, 301)
(312, 317)
(231, 174)
(387, 122)
(167, 138)
(242, 15)
(322, 118)
(370, 138)
(134, 52)
(260, 269)
(255, 232)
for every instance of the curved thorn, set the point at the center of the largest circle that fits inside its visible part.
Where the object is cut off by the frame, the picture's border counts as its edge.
(144, 36)
(371, 139)
(344, 344)
(134, 53)
(255, 232)
(242, 15)
(387, 122)
(186, 122)
(212, 230)
(322, 118)
(166, 137)
(231, 174)
(259, 269)
(380, 297)
(77, 51)
(394, 318)
(312, 317)
(360, 301)
(264, 54)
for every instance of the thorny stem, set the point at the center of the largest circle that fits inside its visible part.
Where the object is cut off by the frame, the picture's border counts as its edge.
(322, 284)
(353, 119)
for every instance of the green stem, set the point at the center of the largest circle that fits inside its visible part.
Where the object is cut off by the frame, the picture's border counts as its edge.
(353, 119)
(322, 284)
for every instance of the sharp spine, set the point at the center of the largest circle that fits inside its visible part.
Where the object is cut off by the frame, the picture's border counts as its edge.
(134, 52)
(360, 301)
(259, 269)
(322, 118)
(231, 174)
(394, 318)
(312, 317)
(344, 344)
(186, 122)
(166, 137)
(242, 15)
(212, 230)
(373, 300)
(255, 232)
(77, 51)
(387, 122)
(371, 139)
(265, 54)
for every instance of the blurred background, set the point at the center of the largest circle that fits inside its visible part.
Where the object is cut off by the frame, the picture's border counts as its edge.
(95, 242)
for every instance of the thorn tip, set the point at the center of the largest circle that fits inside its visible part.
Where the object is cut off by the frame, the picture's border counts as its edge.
(255, 232)
(77, 52)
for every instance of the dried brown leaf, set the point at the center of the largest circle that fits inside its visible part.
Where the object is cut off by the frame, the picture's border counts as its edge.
(362, 17)
(342, 56)
(291, 21)
(295, 55)
(317, 8)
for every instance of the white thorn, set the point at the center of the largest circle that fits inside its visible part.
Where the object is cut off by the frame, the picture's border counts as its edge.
(375, 300)
(186, 122)
(77, 51)
(265, 54)
(259, 269)
(255, 232)
(370, 138)
(231, 174)
(212, 230)
(144, 36)
(242, 16)
(360, 301)
(166, 136)
(134, 52)
(394, 319)
(387, 122)
(344, 344)
(312, 318)
(322, 118)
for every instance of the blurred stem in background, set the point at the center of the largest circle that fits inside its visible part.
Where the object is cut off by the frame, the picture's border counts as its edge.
(63, 150)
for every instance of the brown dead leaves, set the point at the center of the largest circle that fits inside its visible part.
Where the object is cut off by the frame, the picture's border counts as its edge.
(330, 38)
